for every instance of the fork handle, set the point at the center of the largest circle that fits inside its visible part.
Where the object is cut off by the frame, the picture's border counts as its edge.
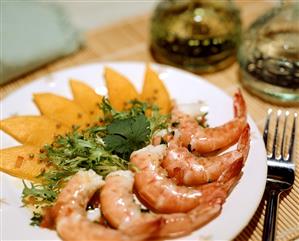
(270, 216)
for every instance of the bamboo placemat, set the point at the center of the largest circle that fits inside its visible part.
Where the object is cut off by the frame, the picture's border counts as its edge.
(128, 41)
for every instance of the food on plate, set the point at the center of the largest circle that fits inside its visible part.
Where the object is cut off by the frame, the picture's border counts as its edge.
(61, 109)
(120, 89)
(154, 91)
(33, 130)
(120, 209)
(192, 170)
(70, 210)
(86, 98)
(22, 162)
(131, 156)
(122, 212)
(205, 140)
(162, 194)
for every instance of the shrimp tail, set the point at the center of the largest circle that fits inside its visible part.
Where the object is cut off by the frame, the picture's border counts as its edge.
(144, 228)
(225, 183)
(217, 192)
(239, 105)
(180, 224)
(231, 176)
(244, 141)
(204, 213)
(233, 171)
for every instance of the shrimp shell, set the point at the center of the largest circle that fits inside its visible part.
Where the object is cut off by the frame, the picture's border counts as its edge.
(69, 210)
(204, 140)
(128, 216)
(191, 170)
(161, 193)
(120, 210)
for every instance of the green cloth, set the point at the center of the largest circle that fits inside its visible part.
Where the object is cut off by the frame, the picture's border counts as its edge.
(33, 34)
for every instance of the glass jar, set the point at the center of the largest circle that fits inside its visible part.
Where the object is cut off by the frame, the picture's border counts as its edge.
(269, 55)
(198, 35)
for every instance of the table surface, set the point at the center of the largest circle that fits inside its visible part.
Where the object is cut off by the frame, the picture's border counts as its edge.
(128, 41)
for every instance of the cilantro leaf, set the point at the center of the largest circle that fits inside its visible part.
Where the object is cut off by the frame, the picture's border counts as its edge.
(128, 135)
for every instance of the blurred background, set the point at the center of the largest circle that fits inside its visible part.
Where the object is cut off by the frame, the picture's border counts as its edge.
(90, 15)
(200, 36)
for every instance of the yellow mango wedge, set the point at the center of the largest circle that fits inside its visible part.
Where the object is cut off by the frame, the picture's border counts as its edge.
(61, 109)
(21, 161)
(154, 91)
(33, 130)
(120, 89)
(86, 98)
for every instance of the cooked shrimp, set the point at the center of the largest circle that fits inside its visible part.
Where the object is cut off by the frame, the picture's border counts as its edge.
(203, 140)
(69, 210)
(162, 194)
(121, 211)
(191, 170)
(178, 224)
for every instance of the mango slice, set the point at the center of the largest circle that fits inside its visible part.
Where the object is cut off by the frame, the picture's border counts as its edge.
(33, 130)
(22, 162)
(61, 109)
(86, 98)
(154, 91)
(120, 89)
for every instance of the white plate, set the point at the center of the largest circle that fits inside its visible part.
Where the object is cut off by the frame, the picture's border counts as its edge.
(184, 87)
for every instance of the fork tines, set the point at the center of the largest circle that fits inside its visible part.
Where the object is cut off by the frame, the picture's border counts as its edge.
(280, 140)
(281, 165)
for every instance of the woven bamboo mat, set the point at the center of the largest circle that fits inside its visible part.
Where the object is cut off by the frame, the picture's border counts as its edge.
(128, 41)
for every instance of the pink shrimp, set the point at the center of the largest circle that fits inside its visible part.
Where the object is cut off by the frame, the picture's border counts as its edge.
(70, 215)
(178, 224)
(162, 194)
(191, 170)
(203, 140)
(120, 210)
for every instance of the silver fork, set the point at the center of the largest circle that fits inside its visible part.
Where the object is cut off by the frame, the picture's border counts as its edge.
(281, 170)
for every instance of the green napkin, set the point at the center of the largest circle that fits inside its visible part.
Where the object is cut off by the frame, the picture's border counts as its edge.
(33, 34)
